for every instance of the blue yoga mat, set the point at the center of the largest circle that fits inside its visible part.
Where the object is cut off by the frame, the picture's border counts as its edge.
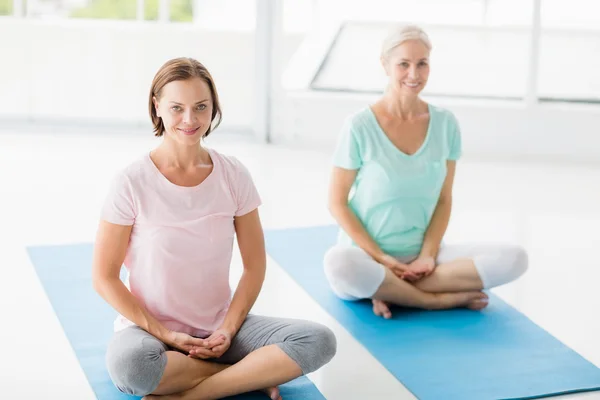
(461, 354)
(65, 273)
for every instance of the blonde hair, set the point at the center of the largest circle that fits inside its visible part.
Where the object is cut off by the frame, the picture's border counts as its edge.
(401, 34)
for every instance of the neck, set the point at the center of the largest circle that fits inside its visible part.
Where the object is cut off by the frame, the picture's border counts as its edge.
(177, 155)
(404, 107)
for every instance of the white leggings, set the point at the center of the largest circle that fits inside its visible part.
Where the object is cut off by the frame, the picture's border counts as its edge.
(354, 275)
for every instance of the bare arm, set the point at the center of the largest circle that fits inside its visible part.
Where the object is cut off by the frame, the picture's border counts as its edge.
(109, 252)
(252, 248)
(441, 216)
(340, 185)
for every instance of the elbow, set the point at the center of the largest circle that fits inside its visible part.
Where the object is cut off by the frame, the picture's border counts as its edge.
(257, 272)
(334, 208)
(98, 283)
(101, 282)
(445, 201)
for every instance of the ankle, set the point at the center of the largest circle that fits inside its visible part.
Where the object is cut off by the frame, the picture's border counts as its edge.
(433, 301)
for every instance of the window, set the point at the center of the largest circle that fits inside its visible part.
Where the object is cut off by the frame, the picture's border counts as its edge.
(225, 15)
(465, 61)
(570, 51)
(6, 7)
(105, 9)
(181, 11)
(178, 10)
(480, 48)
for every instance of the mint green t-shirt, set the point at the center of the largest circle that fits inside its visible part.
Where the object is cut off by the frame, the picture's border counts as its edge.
(395, 194)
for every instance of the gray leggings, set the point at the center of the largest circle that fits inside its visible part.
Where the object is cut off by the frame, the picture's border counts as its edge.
(136, 360)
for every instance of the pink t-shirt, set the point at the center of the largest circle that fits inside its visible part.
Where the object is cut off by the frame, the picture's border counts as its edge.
(182, 240)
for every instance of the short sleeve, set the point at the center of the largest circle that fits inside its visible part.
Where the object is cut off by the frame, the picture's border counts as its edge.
(455, 140)
(347, 152)
(118, 205)
(246, 194)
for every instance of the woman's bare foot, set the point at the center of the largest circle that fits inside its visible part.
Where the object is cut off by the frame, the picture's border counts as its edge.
(165, 397)
(473, 300)
(479, 303)
(381, 309)
(273, 393)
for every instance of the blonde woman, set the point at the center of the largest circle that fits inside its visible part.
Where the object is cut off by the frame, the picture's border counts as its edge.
(391, 194)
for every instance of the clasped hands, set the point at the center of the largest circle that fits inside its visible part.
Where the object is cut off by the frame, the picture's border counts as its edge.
(412, 272)
(213, 346)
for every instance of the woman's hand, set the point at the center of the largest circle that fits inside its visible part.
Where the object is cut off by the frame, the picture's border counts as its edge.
(420, 268)
(214, 346)
(399, 269)
(183, 341)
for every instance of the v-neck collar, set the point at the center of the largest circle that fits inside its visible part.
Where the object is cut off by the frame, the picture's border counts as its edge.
(389, 141)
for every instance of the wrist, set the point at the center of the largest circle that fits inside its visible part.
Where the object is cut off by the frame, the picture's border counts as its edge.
(164, 335)
(229, 328)
(427, 253)
(379, 257)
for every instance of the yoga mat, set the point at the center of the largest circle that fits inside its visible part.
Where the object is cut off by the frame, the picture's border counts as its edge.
(65, 273)
(457, 354)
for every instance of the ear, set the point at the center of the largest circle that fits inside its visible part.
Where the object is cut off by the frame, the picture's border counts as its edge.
(155, 105)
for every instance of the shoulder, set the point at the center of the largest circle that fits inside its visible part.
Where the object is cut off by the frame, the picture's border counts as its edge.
(137, 168)
(228, 163)
(360, 119)
(233, 171)
(133, 172)
(359, 125)
(443, 116)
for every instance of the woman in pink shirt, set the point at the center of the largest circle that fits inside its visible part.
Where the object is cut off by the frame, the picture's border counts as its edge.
(171, 218)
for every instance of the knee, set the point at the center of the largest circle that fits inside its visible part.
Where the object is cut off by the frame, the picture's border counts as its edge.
(502, 266)
(336, 261)
(135, 371)
(316, 346)
(518, 262)
(326, 341)
(343, 269)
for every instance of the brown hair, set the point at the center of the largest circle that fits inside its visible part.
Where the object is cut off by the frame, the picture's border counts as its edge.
(181, 69)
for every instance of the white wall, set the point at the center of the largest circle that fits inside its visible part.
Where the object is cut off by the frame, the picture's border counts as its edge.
(100, 72)
(490, 129)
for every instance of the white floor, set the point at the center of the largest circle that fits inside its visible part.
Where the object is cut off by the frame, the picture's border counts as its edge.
(51, 188)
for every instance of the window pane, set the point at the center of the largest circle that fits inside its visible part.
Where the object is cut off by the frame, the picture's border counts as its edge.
(181, 11)
(507, 12)
(569, 65)
(226, 15)
(6, 7)
(570, 51)
(151, 10)
(105, 9)
(297, 15)
(465, 61)
(417, 11)
(571, 14)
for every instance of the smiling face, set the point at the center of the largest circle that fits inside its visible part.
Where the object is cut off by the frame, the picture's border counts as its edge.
(185, 107)
(407, 66)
